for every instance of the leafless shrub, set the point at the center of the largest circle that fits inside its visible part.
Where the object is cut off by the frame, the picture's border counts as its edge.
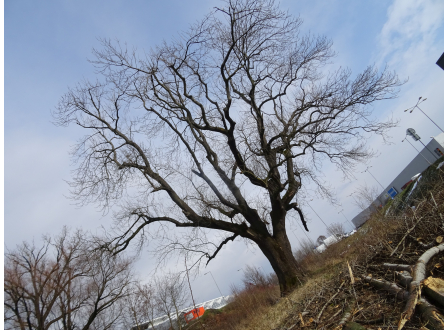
(141, 307)
(254, 277)
(365, 196)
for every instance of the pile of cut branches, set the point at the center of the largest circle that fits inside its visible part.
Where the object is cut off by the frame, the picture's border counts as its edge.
(395, 284)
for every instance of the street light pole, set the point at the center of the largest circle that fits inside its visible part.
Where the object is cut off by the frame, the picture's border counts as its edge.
(215, 282)
(416, 149)
(367, 170)
(417, 106)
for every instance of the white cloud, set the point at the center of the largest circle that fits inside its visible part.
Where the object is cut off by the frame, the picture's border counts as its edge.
(411, 29)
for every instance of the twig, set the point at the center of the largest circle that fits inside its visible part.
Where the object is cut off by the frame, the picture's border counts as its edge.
(406, 234)
(326, 304)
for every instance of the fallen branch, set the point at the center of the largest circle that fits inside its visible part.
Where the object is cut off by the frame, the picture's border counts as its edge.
(348, 312)
(404, 278)
(398, 267)
(436, 241)
(382, 319)
(437, 208)
(390, 287)
(419, 274)
(353, 326)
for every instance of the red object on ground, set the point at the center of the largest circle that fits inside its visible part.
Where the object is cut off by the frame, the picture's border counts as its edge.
(194, 314)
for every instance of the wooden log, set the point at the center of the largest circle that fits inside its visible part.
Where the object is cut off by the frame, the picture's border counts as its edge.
(390, 287)
(398, 267)
(437, 240)
(431, 316)
(433, 289)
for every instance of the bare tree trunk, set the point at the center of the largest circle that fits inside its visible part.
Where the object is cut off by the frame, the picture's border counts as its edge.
(278, 251)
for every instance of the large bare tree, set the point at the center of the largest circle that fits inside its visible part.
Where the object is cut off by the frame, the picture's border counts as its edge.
(219, 130)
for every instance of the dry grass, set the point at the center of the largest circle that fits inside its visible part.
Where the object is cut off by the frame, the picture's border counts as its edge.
(246, 306)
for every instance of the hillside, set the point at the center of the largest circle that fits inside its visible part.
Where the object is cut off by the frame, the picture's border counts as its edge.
(388, 275)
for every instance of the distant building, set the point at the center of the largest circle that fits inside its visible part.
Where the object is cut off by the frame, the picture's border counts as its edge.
(433, 151)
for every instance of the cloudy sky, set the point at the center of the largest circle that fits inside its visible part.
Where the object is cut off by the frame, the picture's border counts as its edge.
(48, 43)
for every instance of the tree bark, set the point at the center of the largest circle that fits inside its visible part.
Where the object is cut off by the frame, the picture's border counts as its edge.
(278, 251)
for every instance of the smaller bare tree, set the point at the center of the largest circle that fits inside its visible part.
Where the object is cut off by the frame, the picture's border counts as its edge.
(336, 230)
(365, 196)
(171, 296)
(141, 307)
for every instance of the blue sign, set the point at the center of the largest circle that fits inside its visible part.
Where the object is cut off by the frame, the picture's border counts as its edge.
(392, 192)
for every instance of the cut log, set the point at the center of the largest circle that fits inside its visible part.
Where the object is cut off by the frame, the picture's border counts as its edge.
(438, 240)
(431, 316)
(433, 289)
